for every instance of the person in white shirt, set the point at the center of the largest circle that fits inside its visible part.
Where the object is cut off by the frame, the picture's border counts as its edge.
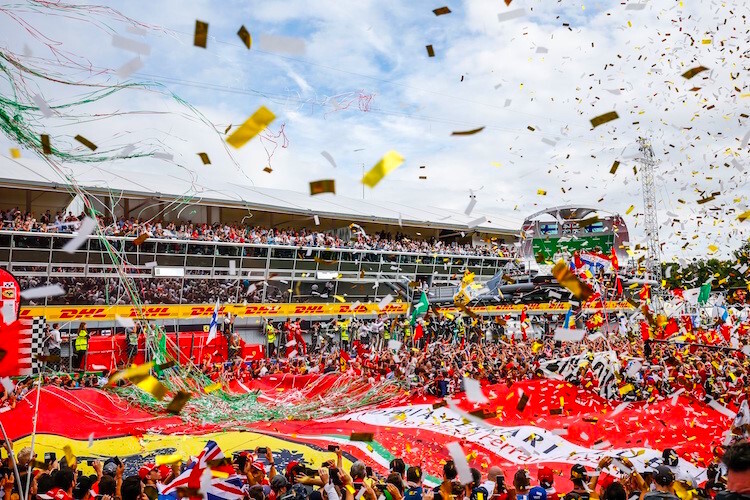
(53, 341)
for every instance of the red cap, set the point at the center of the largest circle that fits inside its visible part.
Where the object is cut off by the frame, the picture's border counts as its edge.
(145, 469)
(258, 466)
(165, 470)
(545, 474)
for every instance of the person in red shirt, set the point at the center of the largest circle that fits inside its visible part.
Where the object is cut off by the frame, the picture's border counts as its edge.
(301, 345)
(64, 482)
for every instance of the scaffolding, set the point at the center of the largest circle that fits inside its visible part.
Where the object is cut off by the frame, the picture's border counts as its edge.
(653, 255)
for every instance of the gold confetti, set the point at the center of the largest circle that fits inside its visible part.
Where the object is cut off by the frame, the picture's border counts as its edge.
(323, 186)
(268, 169)
(167, 459)
(201, 34)
(245, 36)
(252, 127)
(744, 216)
(442, 10)
(151, 385)
(386, 165)
(602, 119)
(566, 278)
(713, 248)
(430, 51)
(134, 371)
(589, 221)
(613, 170)
(15, 153)
(178, 402)
(69, 457)
(204, 158)
(361, 436)
(85, 142)
(630, 209)
(468, 132)
(693, 71)
(46, 148)
(140, 239)
(541, 192)
(211, 388)
(706, 41)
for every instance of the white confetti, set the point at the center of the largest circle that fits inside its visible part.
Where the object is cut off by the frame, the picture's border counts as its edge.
(120, 42)
(385, 301)
(512, 14)
(87, 227)
(476, 222)
(282, 44)
(43, 291)
(569, 334)
(328, 157)
(125, 322)
(474, 391)
(130, 67)
(459, 459)
(42, 105)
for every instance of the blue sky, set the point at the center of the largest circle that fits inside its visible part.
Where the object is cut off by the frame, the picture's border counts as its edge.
(532, 82)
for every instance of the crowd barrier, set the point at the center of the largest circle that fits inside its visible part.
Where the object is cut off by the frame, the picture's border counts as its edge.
(108, 352)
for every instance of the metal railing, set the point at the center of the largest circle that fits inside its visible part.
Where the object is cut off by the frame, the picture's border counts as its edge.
(270, 270)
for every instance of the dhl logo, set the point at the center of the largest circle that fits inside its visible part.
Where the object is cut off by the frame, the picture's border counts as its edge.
(151, 312)
(83, 313)
(261, 309)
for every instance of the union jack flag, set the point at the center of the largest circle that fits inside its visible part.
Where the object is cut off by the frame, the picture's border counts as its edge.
(219, 488)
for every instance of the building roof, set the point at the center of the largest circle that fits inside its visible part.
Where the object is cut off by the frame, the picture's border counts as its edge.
(118, 178)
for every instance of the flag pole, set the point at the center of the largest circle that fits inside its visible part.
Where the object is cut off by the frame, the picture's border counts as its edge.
(12, 456)
(33, 437)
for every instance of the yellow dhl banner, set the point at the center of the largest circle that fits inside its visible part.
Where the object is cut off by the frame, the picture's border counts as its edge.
(193, 311)
(540, 307)
(197, 311)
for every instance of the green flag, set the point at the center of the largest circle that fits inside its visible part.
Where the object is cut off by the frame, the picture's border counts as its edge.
(420, 308)
(703, 294)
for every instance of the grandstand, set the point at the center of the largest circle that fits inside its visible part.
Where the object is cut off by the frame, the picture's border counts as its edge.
(216, 244)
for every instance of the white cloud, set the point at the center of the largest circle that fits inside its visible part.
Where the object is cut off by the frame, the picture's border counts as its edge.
(378, 48)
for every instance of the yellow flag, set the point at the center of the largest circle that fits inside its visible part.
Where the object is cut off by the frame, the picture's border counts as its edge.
(385, 166)
(252, 127)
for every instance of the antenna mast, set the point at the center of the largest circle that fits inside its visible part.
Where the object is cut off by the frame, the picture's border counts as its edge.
(653, 255)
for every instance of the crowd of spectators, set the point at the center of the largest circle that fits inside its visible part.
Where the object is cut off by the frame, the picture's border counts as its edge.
(256, 476)
(14, 219)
